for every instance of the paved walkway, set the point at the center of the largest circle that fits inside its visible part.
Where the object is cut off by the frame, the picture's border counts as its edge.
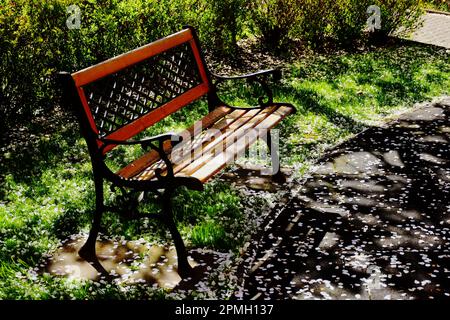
(435, 30)
(371, 222)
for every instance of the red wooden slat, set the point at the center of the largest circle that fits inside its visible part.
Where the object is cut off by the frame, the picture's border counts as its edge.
(200, 65)
(122, 61)
(87, 110)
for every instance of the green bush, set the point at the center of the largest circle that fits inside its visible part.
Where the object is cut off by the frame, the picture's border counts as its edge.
(443, 5)
(220, 22)
(344, 21)
(276, 20)
(29, 54)
(318, 22)
(401, 16)
(35, 42)
(315, 23)
(348, 20)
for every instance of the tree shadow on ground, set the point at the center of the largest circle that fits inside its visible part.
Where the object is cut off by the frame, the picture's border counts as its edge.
(372, 222)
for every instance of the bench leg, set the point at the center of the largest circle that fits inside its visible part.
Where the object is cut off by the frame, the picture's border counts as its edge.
(87, 252)
(277, 175)
(184, 268)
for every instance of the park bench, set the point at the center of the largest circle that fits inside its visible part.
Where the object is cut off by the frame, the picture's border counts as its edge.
(118, 99)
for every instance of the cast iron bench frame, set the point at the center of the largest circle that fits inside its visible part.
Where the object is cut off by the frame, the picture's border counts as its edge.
(119, 98)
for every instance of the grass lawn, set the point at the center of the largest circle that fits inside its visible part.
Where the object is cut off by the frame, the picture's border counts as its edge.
(47, 192)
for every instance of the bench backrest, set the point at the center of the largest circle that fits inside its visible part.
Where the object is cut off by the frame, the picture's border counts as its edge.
(125, 95)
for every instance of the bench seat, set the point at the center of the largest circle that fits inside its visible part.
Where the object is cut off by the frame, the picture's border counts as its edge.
(210, 151)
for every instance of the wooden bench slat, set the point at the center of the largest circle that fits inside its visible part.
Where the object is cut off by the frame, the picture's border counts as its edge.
(149, 158)
(217, 163)
(204, 165)
(229, 139)
(210, 142)
(222, 124)
(201, 140)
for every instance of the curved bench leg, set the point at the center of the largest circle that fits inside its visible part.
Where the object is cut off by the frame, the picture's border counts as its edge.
(87, 252)
(277, 175)
(184, 268)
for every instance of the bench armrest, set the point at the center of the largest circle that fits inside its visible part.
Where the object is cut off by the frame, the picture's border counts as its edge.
(149, 143)
(276, 73)
(146, 142)
(259, 77)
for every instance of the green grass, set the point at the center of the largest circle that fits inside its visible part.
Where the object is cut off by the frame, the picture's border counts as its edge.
(340, 95)
(47, 193)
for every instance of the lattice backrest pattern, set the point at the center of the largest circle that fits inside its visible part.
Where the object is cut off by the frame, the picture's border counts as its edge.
(124, 96)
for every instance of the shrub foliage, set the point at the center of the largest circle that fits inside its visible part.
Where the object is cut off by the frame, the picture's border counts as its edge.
(35, 41)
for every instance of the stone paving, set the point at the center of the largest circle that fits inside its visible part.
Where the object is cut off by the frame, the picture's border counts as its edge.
(372, 221)
(435, 30)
